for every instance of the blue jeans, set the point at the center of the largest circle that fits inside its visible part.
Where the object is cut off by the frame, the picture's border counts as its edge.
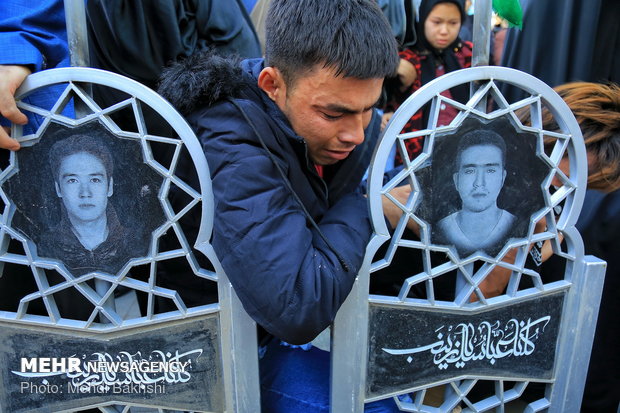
(297, 381)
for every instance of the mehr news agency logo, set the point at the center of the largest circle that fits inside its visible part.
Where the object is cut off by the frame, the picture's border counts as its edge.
(103, 373)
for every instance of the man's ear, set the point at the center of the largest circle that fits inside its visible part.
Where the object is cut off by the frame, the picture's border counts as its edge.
(110, 187)
(455, 179)
(57, 189)
(271, 81)
(504, 177)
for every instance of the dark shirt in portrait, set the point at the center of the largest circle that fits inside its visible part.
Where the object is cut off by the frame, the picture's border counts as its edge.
(120, 245)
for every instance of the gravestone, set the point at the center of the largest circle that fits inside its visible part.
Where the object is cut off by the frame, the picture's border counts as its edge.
(484, 199)
(112, 296)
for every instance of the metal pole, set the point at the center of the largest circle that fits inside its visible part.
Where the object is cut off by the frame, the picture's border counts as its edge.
(77, 34)
(581, 313)
(482, 32)
(483, 12)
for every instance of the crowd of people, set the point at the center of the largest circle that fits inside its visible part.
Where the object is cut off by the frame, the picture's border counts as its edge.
(289, 126)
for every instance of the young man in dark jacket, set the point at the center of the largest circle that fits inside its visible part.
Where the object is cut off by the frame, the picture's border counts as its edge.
(288, 139)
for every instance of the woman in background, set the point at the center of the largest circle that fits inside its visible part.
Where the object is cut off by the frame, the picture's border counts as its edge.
(438, 51)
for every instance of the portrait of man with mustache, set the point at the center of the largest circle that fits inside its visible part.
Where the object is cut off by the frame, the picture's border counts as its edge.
(479, 176)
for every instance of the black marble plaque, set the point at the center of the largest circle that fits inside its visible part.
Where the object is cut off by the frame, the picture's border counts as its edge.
(175, 365)
(411, 347)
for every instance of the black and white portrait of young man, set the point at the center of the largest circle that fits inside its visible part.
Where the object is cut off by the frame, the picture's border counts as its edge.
(89, 232)
(95, 203)
(481, 185)
(479, 176)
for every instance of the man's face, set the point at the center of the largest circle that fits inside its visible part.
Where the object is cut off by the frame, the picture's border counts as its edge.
(330, 113)
(84, 186)
(480, 177)
(442, 25)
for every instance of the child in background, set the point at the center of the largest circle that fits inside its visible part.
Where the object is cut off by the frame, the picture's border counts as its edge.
(438, 51)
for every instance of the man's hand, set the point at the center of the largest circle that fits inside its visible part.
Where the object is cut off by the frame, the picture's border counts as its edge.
(393, 213)
(11, 78)
(495, 283)
(385, 119)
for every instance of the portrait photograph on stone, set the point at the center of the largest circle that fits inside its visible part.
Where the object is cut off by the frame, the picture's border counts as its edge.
(83, 209)
(474, 173)
(479, 175)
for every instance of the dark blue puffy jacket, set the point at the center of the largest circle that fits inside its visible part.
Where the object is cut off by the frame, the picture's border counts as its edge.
(288, 278)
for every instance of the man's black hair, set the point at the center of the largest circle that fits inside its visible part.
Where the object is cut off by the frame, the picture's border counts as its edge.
(480, 137)
(78, 143)
(351, 36)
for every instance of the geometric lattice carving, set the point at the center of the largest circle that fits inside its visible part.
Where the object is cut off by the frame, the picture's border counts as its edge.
(143, 284)
(153, 191)
(417, 266)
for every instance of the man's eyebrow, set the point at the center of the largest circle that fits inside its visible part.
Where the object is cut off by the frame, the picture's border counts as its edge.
(473, 165)
(334, 107)
(75, 174)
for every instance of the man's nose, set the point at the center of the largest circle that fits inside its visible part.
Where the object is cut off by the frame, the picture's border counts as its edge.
(353, 130)
(85, 191)
(480, 181)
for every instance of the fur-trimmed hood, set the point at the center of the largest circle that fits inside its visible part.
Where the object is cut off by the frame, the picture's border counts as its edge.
(205, 79)
(201, 80)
